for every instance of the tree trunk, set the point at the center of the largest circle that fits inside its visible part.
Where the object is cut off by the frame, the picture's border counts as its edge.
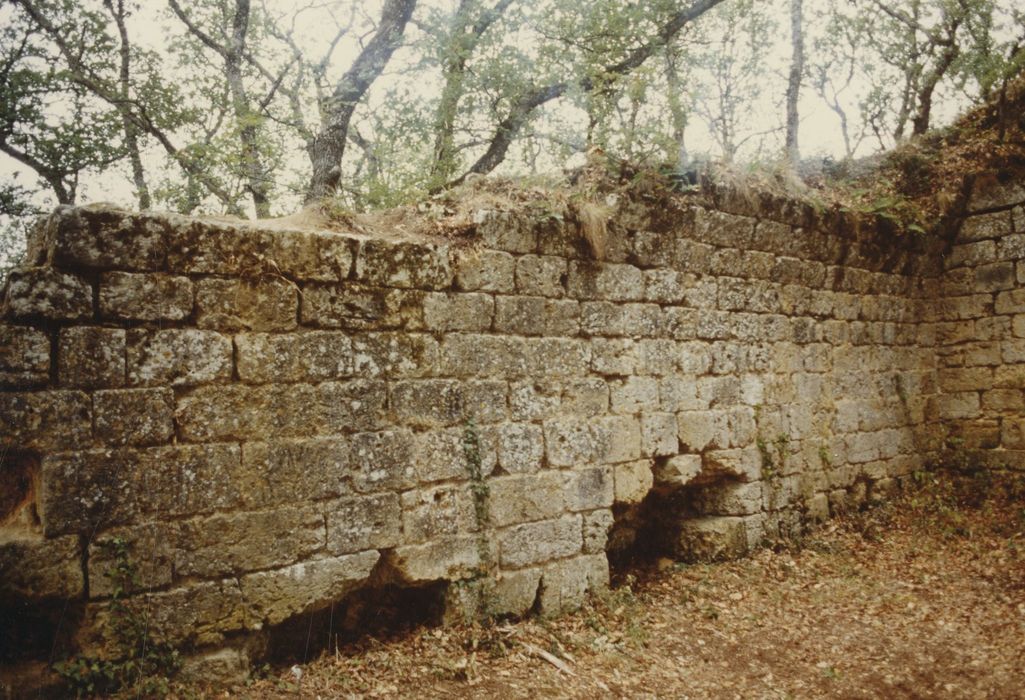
(124, 85)
(794, 83)
(328, 146)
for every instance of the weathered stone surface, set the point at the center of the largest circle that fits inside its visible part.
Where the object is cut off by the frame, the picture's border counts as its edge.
(565, 584)
(133, 416)
(437, 511)
(589, 488)
(440, 455)
(47, 293)
(298, 357)
(609, 281)
(24, 356)
(395, 355)
(195, 614)
(441, 402)
(91, 357)
(179, 357)
(712, 538)
(151, 548)
(404, 264)
(633, 481)
(383, 461)
(678, 470)
(34, 568)
(364, 522)
(458, 312)
(361, 307)
(145, 297)
(485, 270)
(520, 448)
(596, 530)
(659, 434)
(274, 596)
(515, 592)
(541, 275)
(44, 421)
(101, 237)
(445, 559)
(266, 304)
(531, 543)
(525, 497)
(300, 469)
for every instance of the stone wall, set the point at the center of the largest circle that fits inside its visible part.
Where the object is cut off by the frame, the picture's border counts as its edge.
(981, 331)
(273, 419)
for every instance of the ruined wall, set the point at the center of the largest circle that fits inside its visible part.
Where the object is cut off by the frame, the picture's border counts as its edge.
(273, 419)
(981, 330)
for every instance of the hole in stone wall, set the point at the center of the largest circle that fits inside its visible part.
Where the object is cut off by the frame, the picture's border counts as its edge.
(19, 474)
(32, 629)
(380, 611)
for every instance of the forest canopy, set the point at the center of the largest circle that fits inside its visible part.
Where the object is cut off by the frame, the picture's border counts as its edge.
(253, 107)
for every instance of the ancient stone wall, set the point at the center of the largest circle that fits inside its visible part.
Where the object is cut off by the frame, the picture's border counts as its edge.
(272, 419)
(981, 331)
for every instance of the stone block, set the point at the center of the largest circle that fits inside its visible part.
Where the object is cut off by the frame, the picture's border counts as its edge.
(722, 229)
(47, 293)
(91, 357)
(573, 442)
(1011, 302)
(196, 614)
(537, 316)
(441, 455)
(597, 525)
(633, 481)
(434, 512)
(520, 448)
(697, 430)
(235, 543)
(565, 584)
(587, 396)
(445, 559)
(731, 499)
(515, 592)
(677, 471)
(240, 249)
(271, 597)
(364, 522)
(545, 540)
(484, 270)
(602, 318)
(288, 470)
(150, 547)
(971, 254)
(404, 264)
(24, 357)
(485, 355)
(692, 256)
(526, 497)
(589, 488)
(309, 356)
(534, 400)
(994, 278)
(394, 354)
(976, 228)
(361, 307)
(179, 357)
(605, 281)
(133, 416)
(659, 434)
(509, 231)
(265, 304)
(45, 421)
(458, 311)
(34, 568)
(739, 463)
(558, 357)
(383, 461)
(712, 538)
(634, 394)
(100, 236)
(442, 402)
(541, 275)
(145, 297)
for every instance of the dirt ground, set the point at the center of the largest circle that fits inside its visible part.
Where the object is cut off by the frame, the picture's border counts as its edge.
(923, 598)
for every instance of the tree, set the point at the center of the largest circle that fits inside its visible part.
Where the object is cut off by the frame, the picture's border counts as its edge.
(794, 82)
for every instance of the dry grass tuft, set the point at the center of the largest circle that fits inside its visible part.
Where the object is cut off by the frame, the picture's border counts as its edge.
(592, 221)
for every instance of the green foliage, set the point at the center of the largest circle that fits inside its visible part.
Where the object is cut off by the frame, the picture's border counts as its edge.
(139, 666)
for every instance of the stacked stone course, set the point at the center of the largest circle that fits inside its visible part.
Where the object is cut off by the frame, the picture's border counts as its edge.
(272, 419)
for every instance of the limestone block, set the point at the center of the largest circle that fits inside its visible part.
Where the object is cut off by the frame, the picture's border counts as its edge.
(658, 434)
(274, 596)
(233, 543)
(520, 448)
(589, 488)
(602, 318)
(1012, 433)
(570, 442)
(91, 357)
(361, 307)
(515, 592)
(47, 293)
(558, 357)
(1013, 351)
(364, 522)
(634, 394)
(692, 256)
(445, 559)
(223, 248)
(633, 481)
(712, 538)
(680, 323)
(221, 668)
(1002, 400)
(526, 497)
(565, 584)
(722, 229)
(434, 512)
(284, 470)
(100, 236)
(404, 264)
(622, 437)
(179, 357)
(484, 270)
(35, 568)
(45, 420)
(679, 393)
(607, 281)
(678, 470)
(508, 231)
(297, 357)
(440, 455)
(995, 277)
(458, 311)
(485, 355)
(1010, 302)
(383, 460)
(971, 254)
(150, 547)
(731, 499)
(24, 356)
(442, 402)
(145, 297)
(697, 430)
(533, 543)
(134, 416)
(955, 405)
(537, 316)
(541, 275)
(395, 354)
(596, 525)
(980, 226)
(534, 400)
(740, 463)
(196, 614)
(267, 304)
(587, 396)
(816, 508)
